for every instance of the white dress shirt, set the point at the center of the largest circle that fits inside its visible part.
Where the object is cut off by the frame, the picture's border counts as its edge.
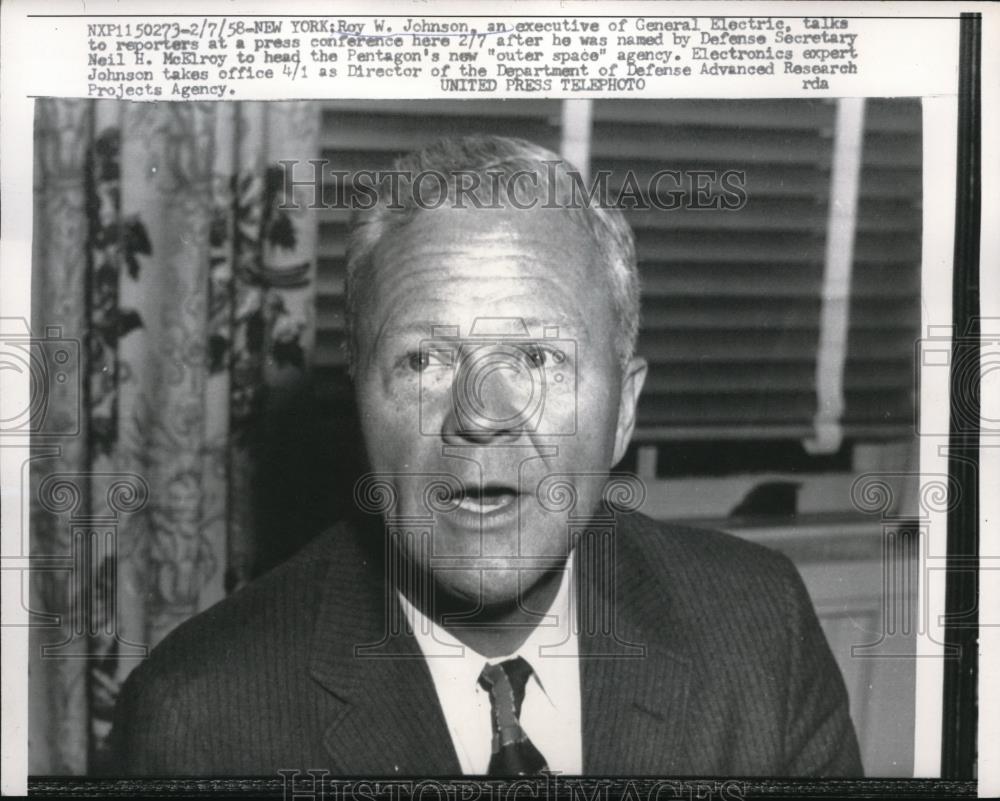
(550, 713)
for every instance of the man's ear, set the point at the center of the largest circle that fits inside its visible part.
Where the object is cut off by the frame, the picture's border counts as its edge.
(632, 381)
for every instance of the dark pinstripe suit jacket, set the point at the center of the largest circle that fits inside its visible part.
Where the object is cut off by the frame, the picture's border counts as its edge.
(733, 677)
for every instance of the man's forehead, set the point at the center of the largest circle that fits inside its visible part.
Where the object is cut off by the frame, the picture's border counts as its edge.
(494, 231)
(503, 257)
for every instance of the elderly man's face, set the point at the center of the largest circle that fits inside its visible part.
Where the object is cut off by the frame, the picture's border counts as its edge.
(502, 420)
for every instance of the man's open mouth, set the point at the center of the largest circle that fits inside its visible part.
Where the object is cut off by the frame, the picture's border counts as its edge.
(486, 498)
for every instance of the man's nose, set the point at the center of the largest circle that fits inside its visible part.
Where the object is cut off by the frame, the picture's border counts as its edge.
(491, 399)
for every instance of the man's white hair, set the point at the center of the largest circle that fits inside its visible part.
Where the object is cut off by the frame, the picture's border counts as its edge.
(492, 165)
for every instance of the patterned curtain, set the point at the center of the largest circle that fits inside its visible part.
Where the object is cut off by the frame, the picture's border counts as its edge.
(173, 297)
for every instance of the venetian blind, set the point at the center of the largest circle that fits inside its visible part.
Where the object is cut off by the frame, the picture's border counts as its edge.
(732, 299)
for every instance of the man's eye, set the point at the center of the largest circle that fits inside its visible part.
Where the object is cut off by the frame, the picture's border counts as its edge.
(418, 360)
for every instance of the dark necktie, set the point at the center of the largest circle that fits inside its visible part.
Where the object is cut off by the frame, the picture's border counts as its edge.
(513, 753)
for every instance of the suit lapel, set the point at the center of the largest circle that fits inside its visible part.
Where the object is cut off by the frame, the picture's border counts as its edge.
(385, 716)
(398, 728)
(636, 678)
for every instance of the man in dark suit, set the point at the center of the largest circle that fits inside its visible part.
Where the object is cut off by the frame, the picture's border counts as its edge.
(503, 608)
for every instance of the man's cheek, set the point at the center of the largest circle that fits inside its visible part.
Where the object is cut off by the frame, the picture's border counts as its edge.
(394, 446)
(390, 408)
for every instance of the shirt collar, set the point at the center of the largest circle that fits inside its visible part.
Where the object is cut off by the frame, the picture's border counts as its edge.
(552, 641)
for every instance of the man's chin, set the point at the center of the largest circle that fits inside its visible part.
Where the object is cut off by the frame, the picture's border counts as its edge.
(483, 543)
(496, 584)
